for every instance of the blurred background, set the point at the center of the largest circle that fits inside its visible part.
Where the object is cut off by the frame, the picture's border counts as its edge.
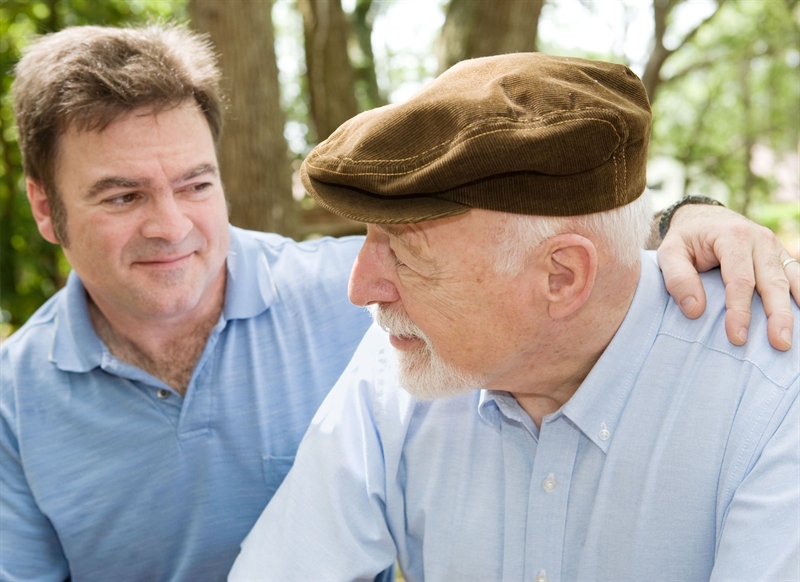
(723, 77)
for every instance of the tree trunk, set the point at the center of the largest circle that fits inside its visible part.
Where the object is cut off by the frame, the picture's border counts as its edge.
(749, 138)
(363, 19)
(253, 155)
(481, 28)
(331, 78)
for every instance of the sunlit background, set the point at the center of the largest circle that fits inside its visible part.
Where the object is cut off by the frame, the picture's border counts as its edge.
(726, 103)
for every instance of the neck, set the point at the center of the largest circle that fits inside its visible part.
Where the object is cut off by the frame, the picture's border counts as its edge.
(167, 348)
(566, 351)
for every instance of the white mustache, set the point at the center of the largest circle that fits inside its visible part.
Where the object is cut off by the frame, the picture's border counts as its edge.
(396, 322)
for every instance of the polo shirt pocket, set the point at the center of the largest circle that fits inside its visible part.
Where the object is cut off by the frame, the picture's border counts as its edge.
(275, 470)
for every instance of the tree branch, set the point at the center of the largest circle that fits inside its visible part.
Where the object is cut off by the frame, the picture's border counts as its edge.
(661, 11)
(688, 38)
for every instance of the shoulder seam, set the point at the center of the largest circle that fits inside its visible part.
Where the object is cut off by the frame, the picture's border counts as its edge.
(736, 357)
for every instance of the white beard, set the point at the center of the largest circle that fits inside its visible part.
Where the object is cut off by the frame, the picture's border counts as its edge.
(422, 372)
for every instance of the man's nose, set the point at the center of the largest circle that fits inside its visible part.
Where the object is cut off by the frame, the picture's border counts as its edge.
(167, 220)
(373, 275)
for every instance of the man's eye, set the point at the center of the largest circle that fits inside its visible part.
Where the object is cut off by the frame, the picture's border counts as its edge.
(123, 199)
(397, 261)
(199, 187)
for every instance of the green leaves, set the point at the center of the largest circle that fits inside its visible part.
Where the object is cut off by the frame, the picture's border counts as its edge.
(731, 92)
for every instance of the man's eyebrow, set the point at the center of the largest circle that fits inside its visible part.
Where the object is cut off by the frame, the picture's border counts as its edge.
(110, 182)
(395, 230)
(401, 232)
(198, 171)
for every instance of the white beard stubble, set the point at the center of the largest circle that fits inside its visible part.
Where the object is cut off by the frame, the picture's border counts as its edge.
(422, 372)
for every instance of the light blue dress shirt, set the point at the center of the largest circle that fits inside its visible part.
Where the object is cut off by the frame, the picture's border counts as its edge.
(678, 458)
(108, 474)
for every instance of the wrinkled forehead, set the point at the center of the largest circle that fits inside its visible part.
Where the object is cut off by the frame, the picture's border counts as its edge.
(413, 236)
(475, 231)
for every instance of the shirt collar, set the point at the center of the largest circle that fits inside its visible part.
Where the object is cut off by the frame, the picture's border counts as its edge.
(76, 347)
(496, 403)
(250, 289)
(598, 404)
(248, 292)
(599, 401)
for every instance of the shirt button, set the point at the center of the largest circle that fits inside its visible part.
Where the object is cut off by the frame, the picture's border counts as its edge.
(542, 577)
(163, 394)
(549, 485)
(604, 433)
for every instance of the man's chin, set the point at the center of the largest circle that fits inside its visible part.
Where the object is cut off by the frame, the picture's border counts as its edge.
(166, 305)
(429, 392)
(426, 377)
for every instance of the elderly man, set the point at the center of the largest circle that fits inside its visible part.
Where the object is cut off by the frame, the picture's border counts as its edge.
(561, 419)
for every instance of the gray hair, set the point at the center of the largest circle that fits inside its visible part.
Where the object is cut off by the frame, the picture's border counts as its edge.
(623, 231)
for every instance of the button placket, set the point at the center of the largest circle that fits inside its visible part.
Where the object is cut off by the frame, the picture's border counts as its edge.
(548, 498)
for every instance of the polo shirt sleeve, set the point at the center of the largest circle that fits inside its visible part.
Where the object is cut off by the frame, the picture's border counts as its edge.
(328, 521)
(29, 547)
(760, 538)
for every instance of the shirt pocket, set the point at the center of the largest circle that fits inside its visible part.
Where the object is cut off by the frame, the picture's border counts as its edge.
(275, 470)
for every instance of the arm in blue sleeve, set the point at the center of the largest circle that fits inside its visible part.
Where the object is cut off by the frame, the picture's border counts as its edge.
(29, 546)
(760, 539)
(328, 521)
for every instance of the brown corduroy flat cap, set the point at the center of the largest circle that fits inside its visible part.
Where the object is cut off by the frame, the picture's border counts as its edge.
(526, 133)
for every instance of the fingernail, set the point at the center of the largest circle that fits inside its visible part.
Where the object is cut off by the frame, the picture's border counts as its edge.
(742, 335)
(786, 335)
(688, 304)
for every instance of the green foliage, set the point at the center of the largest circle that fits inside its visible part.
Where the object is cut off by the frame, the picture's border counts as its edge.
(734, 86)
(31, 269)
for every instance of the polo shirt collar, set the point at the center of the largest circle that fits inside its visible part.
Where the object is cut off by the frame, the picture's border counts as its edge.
(76, 346)
(249, 292)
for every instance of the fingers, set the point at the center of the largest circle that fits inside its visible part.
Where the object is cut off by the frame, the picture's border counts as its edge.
(681, 278)
(774, 286)
(750, 258)
(687, 249)
(740, 283)
(792, 272)
(780, 285)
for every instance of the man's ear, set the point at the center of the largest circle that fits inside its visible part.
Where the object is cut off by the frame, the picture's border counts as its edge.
(570, 261)
(40, 206)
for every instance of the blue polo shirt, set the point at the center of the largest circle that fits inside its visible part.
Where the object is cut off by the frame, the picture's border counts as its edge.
(678, 458)
(108, 474)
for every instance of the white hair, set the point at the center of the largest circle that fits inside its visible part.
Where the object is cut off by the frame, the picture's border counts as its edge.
(622, 231)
